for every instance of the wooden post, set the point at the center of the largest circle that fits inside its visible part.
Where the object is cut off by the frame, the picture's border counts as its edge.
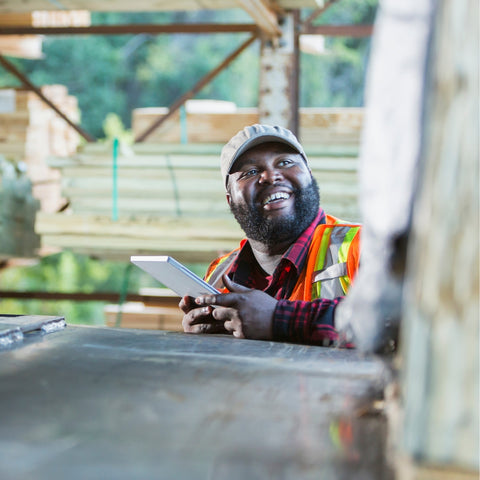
(278, 89)
(419, 187)
(441, 306)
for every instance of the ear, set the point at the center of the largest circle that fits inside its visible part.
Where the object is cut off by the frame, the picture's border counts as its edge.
(229, 198)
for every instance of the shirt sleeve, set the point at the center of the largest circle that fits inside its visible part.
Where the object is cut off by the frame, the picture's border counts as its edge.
(306, 322)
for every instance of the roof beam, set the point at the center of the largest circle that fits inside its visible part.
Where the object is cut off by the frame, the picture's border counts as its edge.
(316, 13)
(133, 29)
(339, 30)
(264, 16)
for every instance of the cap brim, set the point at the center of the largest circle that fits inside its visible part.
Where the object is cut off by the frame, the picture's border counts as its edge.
(259, 140)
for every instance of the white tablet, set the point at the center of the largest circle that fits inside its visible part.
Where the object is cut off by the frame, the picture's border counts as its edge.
(173, 275)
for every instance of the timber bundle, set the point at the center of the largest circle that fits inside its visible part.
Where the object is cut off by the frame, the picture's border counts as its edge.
(167, 199)
(162, 196)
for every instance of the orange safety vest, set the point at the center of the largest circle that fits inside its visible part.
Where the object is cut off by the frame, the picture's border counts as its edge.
(332, 262)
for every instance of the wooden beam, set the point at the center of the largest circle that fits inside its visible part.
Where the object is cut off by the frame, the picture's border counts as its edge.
(339, 30)
(200, 84)
(132, 29)
(111, 297)
(316, 13)
(14, 71)
(263, 15)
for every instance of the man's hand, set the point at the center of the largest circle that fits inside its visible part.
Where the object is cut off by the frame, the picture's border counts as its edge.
(245, 312)
(199, 319)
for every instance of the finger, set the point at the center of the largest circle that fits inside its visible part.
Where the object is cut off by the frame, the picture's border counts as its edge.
(235, 328)
(186, 303)
(205, 328)
(225, 299)
(232, 286)
(201, 315)
(223, 314)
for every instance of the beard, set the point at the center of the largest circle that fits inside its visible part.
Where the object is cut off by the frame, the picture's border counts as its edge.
(271, 231)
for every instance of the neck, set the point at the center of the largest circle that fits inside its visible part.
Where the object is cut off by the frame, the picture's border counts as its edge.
(268, 257)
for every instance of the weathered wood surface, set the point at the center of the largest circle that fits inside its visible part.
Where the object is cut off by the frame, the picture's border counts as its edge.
(420, 159)
(388, 169)
(441, 341)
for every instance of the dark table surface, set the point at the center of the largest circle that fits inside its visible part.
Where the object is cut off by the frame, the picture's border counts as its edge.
(104, 403)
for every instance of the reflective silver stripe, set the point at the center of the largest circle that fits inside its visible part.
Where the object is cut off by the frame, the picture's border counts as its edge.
(330, 286)
(331, 289)
(331, 272)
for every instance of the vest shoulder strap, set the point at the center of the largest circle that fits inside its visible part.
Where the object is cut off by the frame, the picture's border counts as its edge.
(220, 266)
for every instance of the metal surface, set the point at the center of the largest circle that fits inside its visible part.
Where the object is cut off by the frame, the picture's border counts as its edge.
(120, 404)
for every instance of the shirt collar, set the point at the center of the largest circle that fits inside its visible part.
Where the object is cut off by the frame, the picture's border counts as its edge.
(297, 252)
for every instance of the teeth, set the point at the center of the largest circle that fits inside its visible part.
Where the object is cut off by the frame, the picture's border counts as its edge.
(276, 196)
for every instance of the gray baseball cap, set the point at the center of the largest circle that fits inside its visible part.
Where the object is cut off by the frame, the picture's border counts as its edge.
(252, 136)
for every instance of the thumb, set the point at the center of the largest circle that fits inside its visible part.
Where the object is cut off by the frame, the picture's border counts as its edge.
(232, 286)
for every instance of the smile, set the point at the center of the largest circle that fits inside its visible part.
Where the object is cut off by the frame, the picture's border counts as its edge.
(275, 197)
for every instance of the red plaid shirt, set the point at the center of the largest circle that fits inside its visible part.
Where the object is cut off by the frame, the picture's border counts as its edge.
(293, 321)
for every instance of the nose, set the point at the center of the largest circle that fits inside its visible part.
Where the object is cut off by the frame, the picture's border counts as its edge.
(270, 175)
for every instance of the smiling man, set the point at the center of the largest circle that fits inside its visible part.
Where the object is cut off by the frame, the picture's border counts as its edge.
(296, 264)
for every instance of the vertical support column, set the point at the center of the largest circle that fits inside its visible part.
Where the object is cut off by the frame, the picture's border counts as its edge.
(440, 341)
(278, 92)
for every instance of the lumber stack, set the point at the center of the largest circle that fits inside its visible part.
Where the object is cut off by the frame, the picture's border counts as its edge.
(30, 132)
(169, 199)
(30, 46)
(207, 121)
(138, 315)
(17, 213)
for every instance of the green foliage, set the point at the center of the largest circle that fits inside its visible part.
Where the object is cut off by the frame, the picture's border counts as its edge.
(337, 78)
(114, 128)
(70, 273)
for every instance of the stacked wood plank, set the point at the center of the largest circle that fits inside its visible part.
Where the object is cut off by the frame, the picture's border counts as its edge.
(23, 46)
(207, 122)
(30, 132)
(138, 315)
(47, 18)
(169, 200)
(17, 213)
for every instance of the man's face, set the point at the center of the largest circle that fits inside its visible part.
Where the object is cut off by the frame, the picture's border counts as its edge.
(272, 193)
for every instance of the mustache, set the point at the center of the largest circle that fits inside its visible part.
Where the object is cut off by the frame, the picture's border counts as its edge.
(262, 193)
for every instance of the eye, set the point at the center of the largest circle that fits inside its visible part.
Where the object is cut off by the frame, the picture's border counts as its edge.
(249, 173)
(285, 162)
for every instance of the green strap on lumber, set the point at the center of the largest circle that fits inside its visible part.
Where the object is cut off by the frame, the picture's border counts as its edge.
(176, 194)
(183, 126)
(115, 180)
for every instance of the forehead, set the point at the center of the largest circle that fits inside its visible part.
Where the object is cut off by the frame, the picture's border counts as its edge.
(261, 152)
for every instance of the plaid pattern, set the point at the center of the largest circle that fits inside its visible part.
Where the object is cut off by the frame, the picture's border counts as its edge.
(294, 321)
